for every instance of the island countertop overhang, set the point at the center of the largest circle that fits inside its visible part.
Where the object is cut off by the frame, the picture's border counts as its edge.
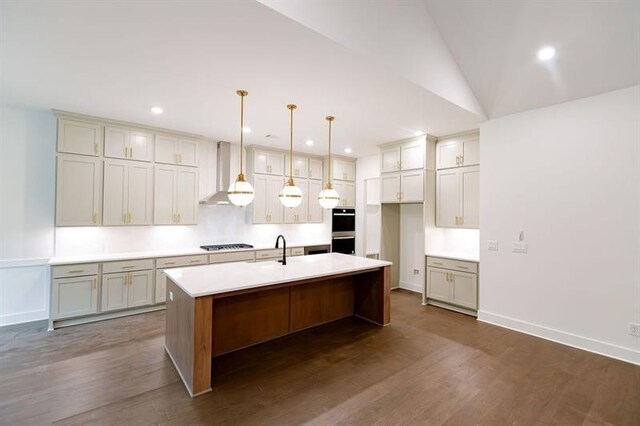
(198, 281)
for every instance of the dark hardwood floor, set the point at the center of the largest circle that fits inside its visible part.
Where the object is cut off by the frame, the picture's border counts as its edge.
(430, 366)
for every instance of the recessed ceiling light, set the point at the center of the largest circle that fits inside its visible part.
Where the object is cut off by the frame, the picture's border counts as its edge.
(546, 53)
(309, 142)
(347, 150)
(157, 110)
(418, 133)
(246, 130)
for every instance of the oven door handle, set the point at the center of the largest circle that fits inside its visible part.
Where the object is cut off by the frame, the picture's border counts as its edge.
(344, 238)
(344, 214)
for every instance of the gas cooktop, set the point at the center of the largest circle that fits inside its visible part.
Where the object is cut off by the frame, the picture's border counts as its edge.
(218, 247)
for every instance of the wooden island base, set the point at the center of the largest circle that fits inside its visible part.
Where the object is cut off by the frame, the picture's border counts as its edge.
(201, 328)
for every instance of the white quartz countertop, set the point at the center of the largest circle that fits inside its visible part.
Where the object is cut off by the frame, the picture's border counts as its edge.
(455, 255)
(110, 257)
(205, 280)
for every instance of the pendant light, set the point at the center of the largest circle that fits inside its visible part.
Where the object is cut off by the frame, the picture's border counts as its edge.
(290, 195)
(329, 197)
(241, 192)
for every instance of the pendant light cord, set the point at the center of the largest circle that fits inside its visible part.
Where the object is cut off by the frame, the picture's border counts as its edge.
(241, 129)
(291, 149)
(330, 119)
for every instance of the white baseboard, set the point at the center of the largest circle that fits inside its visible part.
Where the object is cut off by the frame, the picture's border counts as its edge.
(417, 288)
(602, 348)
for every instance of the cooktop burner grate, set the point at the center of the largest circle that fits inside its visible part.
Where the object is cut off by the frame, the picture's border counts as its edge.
(218, 247)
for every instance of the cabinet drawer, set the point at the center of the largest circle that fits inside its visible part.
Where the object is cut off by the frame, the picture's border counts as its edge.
(241, 256)
(127, 266)
(271, 254)
(174, 262)
(77, 270)
(456, 265)
(297, 251)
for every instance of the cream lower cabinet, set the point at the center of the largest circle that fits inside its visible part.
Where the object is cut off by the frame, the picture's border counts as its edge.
(78, 190)
(128, 193)
(266, 206)
(314, 209)
(458, 197)
(74, 296)
(403, 187)
(452, 282)
(160, 293)
(347, 192)
(127, 290)
(175, 195)
(299, 214)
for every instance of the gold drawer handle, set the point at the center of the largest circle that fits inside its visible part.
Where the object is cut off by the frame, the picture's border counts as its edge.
(128, 267)
(195, 261)
(437, 263)
(76, 271)
(462, 267)
(170, 263)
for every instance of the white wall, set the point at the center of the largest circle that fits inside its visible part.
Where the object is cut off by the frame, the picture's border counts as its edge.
(411, 247)
(569, 177)
(366, 168)
(27, 203)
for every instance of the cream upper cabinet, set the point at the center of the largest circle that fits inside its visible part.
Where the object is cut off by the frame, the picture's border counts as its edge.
(175, 195)
(74, 296)
(78, 137)
(266, 206)
(347, 192)
(390, 188)
(300, 166)
(120, 142)
(458, 197)
(412, 155)
(314, 208)
(78, 190)
(128, 193)
(458, 152)
(171, 149)
(390, 160)
(268, 162)
(299, 214)
(343, 170)
(315, 168)
(412, 186)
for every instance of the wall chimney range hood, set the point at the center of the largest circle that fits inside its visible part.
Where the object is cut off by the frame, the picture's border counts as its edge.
(223, 173)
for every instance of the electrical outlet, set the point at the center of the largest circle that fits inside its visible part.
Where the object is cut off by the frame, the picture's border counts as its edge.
(520, 248)
(634, 329)
(416, 272)
(170, 295)
(493, 245)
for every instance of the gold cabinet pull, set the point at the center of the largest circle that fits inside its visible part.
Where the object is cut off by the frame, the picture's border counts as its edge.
(131, 152)
(129, 267)
(462, 160)
(95, 149)
(170, 263)
(462, 267)
(437, 263)
(95, 283)
(76, 271)
(195, 261)
(94, 218)
(130, 217)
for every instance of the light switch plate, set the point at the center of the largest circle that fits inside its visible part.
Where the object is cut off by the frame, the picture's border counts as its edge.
(520, 248)
(416, 271)
(493, 245)
(634, 329)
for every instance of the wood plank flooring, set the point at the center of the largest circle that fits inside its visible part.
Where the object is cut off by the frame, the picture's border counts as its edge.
(430, 366)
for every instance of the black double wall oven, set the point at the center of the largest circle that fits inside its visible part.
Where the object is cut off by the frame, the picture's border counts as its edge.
(343, 231)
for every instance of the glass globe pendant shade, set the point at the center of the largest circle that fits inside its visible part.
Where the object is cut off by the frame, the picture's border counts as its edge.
(240, 192)
(328, 198)
(290, 195)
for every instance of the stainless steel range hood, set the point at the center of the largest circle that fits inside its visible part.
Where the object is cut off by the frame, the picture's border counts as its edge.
(223, 179)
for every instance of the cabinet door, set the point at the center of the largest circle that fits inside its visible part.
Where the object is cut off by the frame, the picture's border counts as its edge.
(116, 142)
(313, 206)
(140, 145)
(315, 168)
(164, 200)
(298, 214)
(300, 166)
(259, 205)
(166, 149)
(260, 162)
(275, 209)
(343, 170)
(412, 187)
(275, 164)
(114, 291)
(447, 153)
(390, 160)
(447, 197)
(187, 196)
(470, 152)
(161, 287)
(347, 192)
(77, 137)
(139, 193)
(73, 297)
(78, 190)
(412, 155)
(115, 192)
(390, 188)
(470, 197)
(187, 152)
(438, 287)
(464, 290)
(140, 291)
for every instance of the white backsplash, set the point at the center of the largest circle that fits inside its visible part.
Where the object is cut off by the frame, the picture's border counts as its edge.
(216, 225)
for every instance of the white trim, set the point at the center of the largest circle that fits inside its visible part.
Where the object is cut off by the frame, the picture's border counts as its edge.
(596, 346)
(450, 307)
(22, 317)
(416, 288)
(23, 263)
(59, 323)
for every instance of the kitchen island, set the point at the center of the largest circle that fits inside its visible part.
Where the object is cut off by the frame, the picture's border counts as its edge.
(217, 309)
